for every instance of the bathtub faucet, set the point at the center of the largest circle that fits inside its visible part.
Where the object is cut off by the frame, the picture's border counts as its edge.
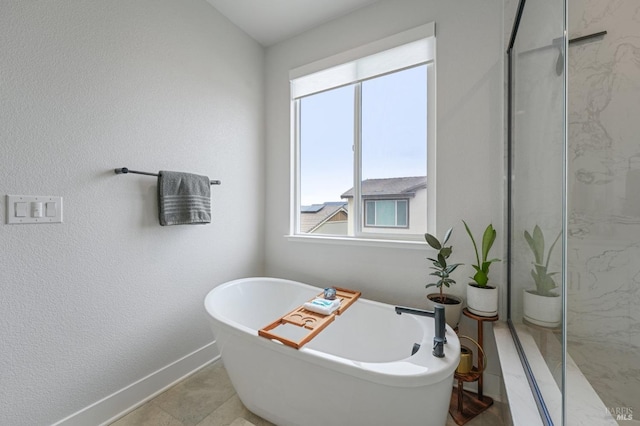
(438, 314)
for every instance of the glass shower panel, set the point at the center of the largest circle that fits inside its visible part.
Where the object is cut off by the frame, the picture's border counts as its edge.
(537, 196)
(603, 286)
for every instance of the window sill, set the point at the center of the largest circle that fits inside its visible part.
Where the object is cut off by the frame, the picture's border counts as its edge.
(354, 241)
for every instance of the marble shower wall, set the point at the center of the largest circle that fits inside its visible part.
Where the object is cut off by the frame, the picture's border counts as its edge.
(604, 174)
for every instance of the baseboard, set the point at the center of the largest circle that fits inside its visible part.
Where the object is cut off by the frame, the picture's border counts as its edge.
(119, 403)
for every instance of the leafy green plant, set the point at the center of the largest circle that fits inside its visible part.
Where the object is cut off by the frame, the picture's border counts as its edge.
(541, 276)
(442, 269)
(481, 277)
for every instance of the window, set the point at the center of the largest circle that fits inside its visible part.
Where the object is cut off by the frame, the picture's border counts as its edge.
(362, 139)
(386, 213)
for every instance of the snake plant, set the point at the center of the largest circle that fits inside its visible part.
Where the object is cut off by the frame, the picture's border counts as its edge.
(541, 276)
(481, 277)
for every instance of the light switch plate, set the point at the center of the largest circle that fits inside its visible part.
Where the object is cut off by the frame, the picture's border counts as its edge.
(35, 204)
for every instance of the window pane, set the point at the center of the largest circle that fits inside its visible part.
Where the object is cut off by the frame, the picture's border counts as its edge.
(326, 160)
(401, 213)
(394, 143)
(371, 213)
(386, 213)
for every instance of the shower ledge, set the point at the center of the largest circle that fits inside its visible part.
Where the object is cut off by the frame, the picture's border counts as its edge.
(584, 406)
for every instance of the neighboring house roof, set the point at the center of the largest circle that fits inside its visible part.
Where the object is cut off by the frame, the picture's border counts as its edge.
(315, 215)
(390, 187)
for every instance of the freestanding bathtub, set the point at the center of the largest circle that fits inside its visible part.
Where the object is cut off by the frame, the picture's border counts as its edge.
(357, 371)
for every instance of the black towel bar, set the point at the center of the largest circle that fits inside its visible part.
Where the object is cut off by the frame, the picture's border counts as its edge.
(124, 170)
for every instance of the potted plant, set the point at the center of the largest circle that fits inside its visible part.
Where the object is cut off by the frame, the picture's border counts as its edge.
(482, 298)
(542, 305)
(452, 304)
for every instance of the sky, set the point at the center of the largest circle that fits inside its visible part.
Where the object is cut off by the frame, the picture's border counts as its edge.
(394, 133)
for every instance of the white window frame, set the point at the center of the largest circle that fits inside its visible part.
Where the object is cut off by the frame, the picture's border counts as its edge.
(404, 50)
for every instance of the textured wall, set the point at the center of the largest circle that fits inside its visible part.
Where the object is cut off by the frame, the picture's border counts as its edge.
(469, 143)
(91, 305)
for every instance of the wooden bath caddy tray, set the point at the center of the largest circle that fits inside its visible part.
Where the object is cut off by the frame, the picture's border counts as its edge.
(312, 321)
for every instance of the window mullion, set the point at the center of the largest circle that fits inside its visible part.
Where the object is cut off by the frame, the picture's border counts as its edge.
(295, 170)
(395, 208)
(357, 161)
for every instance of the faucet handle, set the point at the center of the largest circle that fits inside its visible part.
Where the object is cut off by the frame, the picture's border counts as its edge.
(438, 347)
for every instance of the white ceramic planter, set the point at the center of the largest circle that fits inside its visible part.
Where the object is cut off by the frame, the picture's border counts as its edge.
(482, 301)
(452, 312)
(541, 310)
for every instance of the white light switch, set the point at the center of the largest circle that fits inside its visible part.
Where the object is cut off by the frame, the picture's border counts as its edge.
(21, 210)
(51, 209)
(34, 209)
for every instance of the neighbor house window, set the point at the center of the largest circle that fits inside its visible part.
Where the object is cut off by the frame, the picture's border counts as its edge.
(386, 213)
(363, 140)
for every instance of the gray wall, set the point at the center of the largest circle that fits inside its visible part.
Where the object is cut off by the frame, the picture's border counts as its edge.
(89, 306)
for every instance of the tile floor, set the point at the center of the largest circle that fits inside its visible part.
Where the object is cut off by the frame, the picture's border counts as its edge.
(207, 398)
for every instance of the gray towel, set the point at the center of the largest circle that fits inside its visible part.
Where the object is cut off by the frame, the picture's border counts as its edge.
(183, 198)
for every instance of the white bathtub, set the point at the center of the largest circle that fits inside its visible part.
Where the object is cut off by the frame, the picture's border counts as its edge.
(358, 371)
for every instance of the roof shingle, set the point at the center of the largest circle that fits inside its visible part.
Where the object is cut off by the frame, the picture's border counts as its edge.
(400, 186)
(315, 214)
